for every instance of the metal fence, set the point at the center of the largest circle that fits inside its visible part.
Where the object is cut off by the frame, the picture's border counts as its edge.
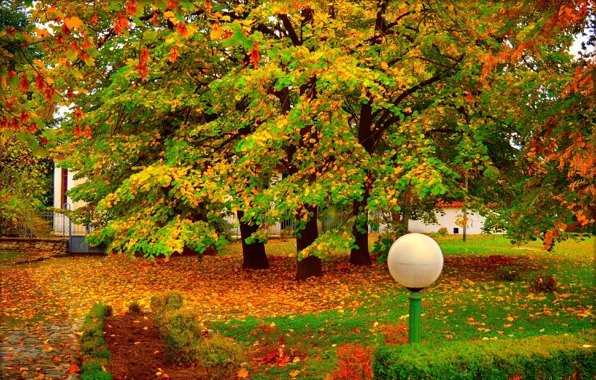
(327, 223)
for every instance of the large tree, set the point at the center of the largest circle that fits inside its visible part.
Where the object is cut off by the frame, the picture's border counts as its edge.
(186, 111)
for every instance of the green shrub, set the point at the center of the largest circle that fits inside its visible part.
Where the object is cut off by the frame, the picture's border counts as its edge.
(542, 357)
(160, 305)
(219, 356)
(181, 332)
(443, 231)
(96, 375)
(93, 345)
(543, 283)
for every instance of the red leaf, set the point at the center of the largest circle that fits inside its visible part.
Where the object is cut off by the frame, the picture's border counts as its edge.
(39, 83)
(24, 117)
(208, 6)
(254, 55)
(87, 131)
(181, 28)
(44, 141)
(172, 4)
(74, 369)
(131, 7)
(120, 23)
(77, 131)
(144, 56)
(93, 20)
(24, 83)
(79, 113)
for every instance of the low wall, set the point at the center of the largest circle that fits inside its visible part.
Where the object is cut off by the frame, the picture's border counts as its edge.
(49, 246)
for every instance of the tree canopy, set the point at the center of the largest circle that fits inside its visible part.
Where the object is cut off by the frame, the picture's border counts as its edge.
(184, 112)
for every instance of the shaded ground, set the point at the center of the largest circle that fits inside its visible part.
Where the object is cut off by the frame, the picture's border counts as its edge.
(137, 351)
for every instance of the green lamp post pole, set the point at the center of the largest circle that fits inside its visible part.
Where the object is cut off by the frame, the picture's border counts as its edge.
(415, 261)
(415, 319)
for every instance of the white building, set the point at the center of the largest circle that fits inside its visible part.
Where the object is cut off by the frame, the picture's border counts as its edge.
(452, 213)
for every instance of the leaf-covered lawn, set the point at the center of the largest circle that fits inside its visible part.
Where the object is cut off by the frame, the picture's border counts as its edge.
(469, 301)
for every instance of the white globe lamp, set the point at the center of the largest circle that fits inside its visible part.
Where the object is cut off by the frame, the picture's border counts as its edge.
(415, 261)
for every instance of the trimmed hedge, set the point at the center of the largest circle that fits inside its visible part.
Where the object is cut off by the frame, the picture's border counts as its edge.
(542, 357)
(94, 347)
(186, 341)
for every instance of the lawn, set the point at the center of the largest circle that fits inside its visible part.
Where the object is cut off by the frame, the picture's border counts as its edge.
(470, 300)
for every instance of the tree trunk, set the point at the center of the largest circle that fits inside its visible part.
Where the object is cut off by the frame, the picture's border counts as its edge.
(309, 266)
(253, 254)
(360, 255)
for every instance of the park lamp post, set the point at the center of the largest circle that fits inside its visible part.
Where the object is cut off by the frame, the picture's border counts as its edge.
(415, 261)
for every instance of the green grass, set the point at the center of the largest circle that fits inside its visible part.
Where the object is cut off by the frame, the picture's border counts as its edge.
(468, 302)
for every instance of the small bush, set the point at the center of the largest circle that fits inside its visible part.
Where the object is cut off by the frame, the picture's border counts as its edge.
(134, 307)
(510, 274)
(443, 231)
(96, 375)
(219, 356)
(543, 283)
(353, 362)
(93, 345)
(541, 357)
(181, 332)
(164, 303)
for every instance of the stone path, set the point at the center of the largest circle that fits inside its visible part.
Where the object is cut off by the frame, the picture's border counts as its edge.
(41, 351)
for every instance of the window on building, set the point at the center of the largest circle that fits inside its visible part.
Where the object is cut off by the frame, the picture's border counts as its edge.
(455, 230)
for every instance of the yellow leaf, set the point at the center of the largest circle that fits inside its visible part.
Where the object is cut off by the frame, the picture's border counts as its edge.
(216, 32)
(243, 373)
(294, 373)
(73, 22)
(384, 65)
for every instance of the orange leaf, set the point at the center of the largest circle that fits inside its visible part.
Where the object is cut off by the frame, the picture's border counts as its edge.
(56, 359)
(243, 373)
(174, 54)
(74, 369)
(294, 373)
(172, 4)
(181, 28)
(73, 22)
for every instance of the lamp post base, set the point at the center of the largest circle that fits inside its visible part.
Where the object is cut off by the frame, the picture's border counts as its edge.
(415, 320)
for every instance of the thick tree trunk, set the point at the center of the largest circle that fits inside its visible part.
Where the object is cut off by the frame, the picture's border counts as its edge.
(309, 266)
(360, 255)
(253, 254)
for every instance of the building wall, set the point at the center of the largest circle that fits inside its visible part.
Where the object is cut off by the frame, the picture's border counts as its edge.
(475, 222)
(61, 222)
(71, 183)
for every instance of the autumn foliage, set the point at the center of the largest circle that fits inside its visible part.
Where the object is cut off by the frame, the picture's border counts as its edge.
(354, 361)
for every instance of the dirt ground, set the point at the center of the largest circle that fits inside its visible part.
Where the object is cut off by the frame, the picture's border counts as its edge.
(137, 351)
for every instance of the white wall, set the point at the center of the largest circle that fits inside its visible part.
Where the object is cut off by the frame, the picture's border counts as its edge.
(58, 187)
(475, 222)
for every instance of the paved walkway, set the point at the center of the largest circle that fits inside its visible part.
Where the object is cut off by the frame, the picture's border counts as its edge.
(42, 351)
